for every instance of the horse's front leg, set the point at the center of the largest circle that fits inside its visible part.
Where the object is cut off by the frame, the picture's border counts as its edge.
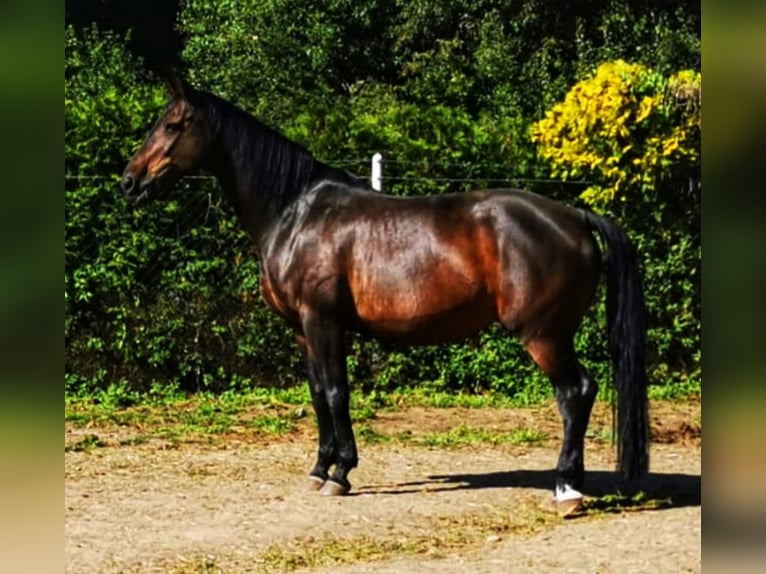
(325, 352)
(327, 452)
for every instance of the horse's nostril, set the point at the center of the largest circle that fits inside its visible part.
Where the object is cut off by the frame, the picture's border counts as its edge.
(127, 184)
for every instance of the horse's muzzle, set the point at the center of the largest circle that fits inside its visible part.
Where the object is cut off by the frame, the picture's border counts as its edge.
(136, 188)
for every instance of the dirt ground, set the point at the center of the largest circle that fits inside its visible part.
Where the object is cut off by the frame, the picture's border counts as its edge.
(241, 506)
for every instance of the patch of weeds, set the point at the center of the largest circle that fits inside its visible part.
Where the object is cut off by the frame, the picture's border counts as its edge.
(210, 419)
(164, 394)
(273, 425)
(154, 413)
(197, 471)
(85, 444)
(174, 435)
(77, 418)
(458, 436)
(165, 413)
(133, 416)
(600, 434)
(179, 565)
(404, 436)
(369, 435)
(528, 436)
(683, 391)
(208, 409)
(444, 534)
(310, 553)
(218, 426)
(363, 412)
(365, 406)
(528, 519)
(134, 440)
(463, 435)
(298, 395)
(438, 400)
(117, 395)
(85, 412)
(204, 565)
(425, 396)
(618, 502)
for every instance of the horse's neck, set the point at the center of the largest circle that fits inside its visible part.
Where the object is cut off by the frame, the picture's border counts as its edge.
(262, 198)
(257, 216)
(236, 189)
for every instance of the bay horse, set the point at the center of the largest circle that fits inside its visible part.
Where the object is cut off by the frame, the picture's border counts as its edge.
(337, 256)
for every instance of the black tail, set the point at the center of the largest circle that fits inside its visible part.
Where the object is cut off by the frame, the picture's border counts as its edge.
(627, 335)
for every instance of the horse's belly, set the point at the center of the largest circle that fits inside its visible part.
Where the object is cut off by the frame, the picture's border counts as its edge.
(425, 290)
(426, 325)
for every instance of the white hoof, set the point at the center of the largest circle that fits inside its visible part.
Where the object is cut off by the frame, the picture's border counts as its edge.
(568, 500)
(567, 493)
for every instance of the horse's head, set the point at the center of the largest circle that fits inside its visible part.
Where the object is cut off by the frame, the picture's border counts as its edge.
(174, 146)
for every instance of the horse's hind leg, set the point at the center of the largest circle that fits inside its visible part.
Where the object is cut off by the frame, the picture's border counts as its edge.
(575, 394)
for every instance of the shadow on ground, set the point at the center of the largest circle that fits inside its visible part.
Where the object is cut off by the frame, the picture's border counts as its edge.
(678, 490)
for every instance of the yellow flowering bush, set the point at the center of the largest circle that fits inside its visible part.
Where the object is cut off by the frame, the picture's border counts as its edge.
(623, 130)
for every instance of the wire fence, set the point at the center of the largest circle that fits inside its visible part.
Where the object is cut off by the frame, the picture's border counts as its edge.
(486, 172)
(197, 210)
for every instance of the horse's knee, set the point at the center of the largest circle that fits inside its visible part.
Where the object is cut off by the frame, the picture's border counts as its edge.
(337, 399)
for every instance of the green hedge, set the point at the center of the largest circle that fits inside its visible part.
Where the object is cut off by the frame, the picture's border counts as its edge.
(168, 294)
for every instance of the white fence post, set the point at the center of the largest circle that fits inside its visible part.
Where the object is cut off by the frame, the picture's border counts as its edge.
(377, 172)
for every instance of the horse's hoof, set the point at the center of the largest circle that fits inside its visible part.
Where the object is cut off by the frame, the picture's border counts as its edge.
(568, 500)
(568, 507)
(314, 483)
(332, 488)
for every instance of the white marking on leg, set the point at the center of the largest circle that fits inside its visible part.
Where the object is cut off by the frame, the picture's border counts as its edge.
(567, 493)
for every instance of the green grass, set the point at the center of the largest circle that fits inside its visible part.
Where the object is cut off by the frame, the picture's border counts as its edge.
(176, 417)
(167, 413)
(677, 392)
(218, 413)
(134, 440)
(367, 434)
(600, 434)
(616, 503)
(463, 435)
(425, 396)
(528, 436)
(85, 444)
(276, 412)
(445, 535)
(273, 425)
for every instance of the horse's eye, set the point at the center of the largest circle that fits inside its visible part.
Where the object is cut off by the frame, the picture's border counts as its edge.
(173, 127)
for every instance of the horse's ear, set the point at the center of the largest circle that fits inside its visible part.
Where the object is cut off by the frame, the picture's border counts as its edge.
(178, 86)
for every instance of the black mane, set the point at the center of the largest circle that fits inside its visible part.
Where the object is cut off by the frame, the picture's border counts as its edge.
(267, 163)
